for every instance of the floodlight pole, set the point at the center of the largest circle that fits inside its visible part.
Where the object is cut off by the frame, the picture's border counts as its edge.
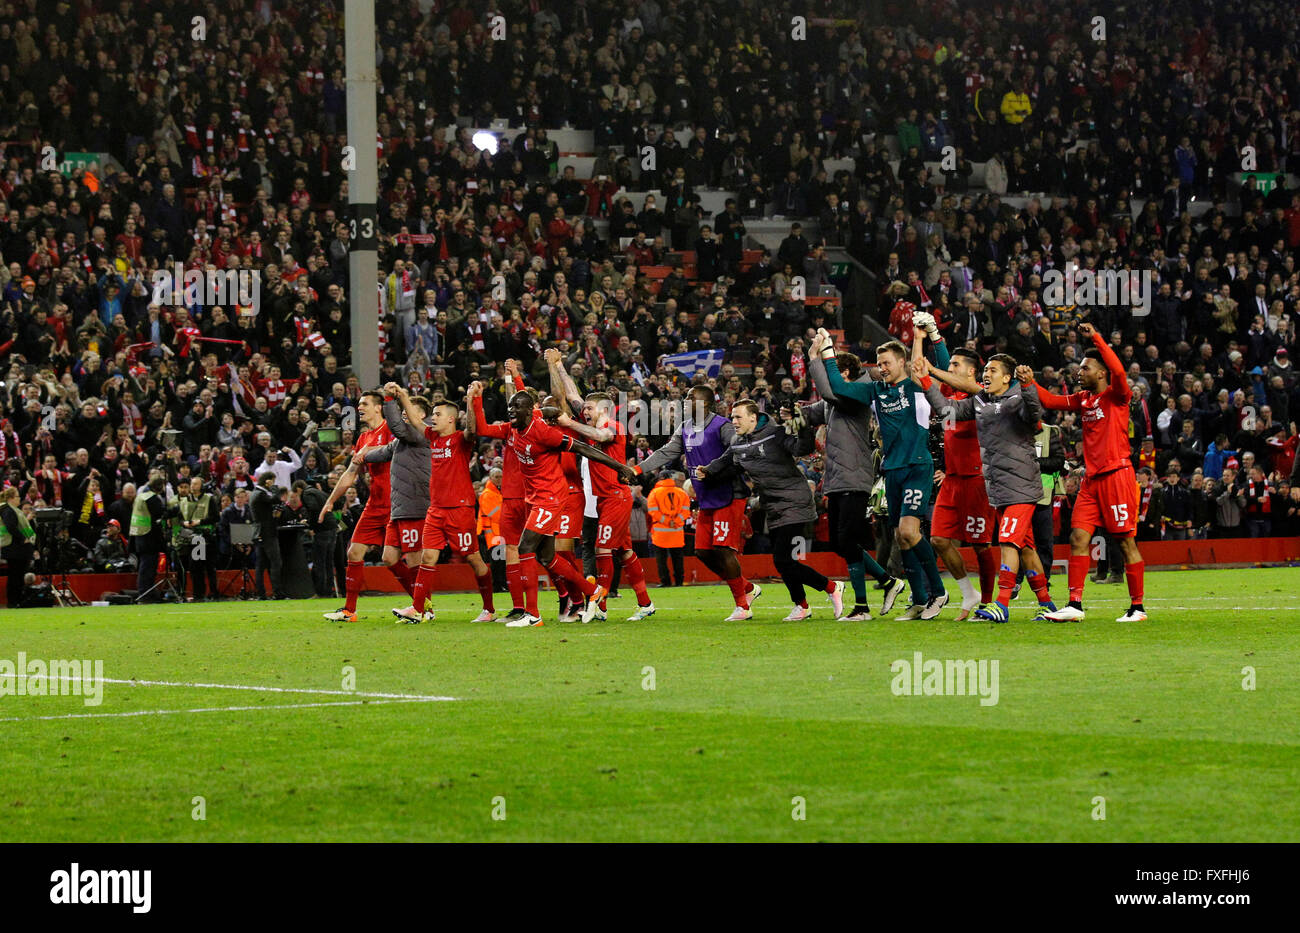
(363, 187)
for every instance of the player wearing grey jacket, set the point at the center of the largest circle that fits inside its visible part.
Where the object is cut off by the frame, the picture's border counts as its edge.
(766, 452)
(412, 461)
(1006, 420)
(847, 479)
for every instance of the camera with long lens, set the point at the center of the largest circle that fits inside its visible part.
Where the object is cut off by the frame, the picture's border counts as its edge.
(55, 546)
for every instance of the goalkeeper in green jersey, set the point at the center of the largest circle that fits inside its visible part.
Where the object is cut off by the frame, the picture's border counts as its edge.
(903, 414)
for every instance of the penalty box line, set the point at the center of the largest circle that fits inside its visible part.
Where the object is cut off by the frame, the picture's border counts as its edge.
(414, 697)
(216, 709)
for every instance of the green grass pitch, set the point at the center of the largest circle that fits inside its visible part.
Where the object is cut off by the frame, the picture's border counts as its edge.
(553, 734)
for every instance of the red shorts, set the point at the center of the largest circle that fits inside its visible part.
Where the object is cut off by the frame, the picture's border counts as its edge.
(371, 528)
(1016, 525)
(574, 508)
(613, 523)
(451, 530)
(549, 518)
(1110, 500)
(406, 535)
(962, 511)
(513, 515)
(721, 527)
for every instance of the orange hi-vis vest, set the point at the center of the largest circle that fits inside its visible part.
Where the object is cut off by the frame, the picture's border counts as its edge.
(669, 507)
(489, 514)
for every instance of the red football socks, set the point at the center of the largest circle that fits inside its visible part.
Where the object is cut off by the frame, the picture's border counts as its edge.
(738, 592)
(1006, 583)
(515, 583)
(405, 576)
(355, 578)
(528, 573)
(423, 586)
(635, 575)
(1078, 573)
(484, 590)
(577, 583)
(1134, 574)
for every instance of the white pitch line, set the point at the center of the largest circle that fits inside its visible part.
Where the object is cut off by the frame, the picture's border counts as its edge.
(215, 709)
(197, 686)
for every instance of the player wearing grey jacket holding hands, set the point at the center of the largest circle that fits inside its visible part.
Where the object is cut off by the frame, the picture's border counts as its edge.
(1006, 420)
(767, 452)
(848, 479)
(412, 459)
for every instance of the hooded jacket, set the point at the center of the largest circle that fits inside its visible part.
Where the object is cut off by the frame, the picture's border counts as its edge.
(767, 456)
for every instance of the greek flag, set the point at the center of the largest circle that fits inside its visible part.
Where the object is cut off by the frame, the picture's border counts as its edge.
(708, 362)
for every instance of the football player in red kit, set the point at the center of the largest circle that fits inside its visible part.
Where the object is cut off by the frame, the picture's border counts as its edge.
(569, 529)
(372, 526)
(1108, 494)
(613, 500)
(451, 521)
(538, 445)
(521, 575)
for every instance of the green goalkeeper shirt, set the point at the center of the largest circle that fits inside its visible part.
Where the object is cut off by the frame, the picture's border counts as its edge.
(901, 410)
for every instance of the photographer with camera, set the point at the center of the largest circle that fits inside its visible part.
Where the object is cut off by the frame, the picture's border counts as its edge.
(193, 538)
(17, 544)
(147, 531)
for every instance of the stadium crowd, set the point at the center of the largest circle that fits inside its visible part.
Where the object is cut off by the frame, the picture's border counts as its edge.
(152, 422)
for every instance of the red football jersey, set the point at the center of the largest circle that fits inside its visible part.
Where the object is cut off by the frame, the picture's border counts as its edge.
(512, 479)
(569, 462)
(377, 472)
(961, 443)
(604, 481)
(538, 450)
(1104, 416)
(450, 485)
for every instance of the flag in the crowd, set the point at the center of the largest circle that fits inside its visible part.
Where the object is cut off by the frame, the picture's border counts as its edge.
(708, 362)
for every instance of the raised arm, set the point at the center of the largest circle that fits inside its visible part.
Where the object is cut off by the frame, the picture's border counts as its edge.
(481, 426)
(817, 369)
(410, 431)
(1031, 409)
(600, 435)
(414, 418)
(861, 392)
(562, 384)
(1118, 378)
(1049, 400)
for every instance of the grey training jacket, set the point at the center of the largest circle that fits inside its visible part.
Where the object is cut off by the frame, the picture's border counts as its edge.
(1007, 425)
(849, 466)
(412, 461)
(767, 456)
